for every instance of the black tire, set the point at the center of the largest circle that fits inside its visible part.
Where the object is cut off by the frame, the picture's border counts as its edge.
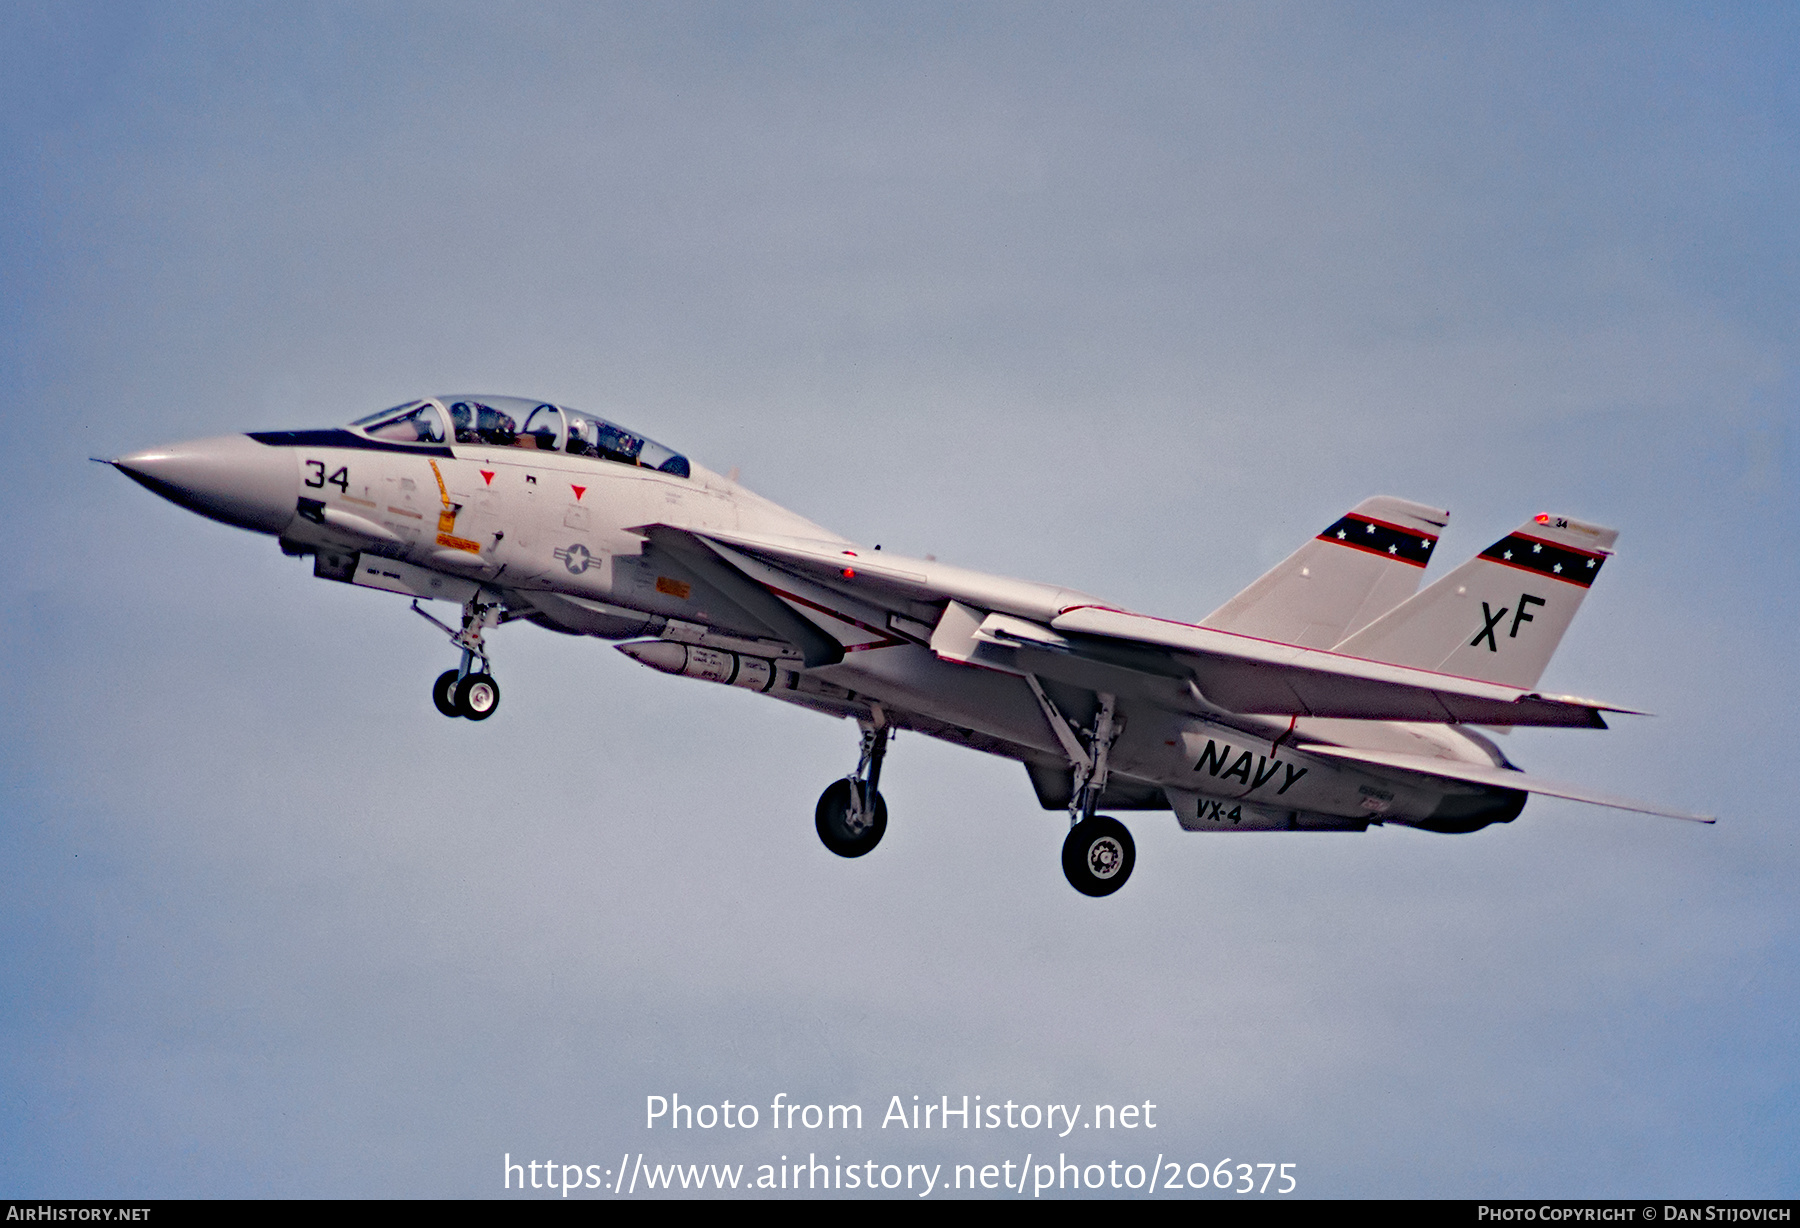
(477, 696)
(1098, 856)
(832, 818)
(443, 693)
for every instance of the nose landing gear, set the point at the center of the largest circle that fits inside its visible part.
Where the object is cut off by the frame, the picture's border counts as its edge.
(852, 815)
(465, 690)
(443, 693)
(475, 696)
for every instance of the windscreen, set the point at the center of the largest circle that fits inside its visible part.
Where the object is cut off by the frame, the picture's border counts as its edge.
(414, 422)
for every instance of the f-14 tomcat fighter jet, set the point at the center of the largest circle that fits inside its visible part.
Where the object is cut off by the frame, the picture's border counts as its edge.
(1327, 696)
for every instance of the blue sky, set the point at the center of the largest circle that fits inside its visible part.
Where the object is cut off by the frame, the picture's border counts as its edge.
(1128, 300)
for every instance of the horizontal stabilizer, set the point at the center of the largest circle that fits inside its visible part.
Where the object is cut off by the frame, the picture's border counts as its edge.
(1504, 778)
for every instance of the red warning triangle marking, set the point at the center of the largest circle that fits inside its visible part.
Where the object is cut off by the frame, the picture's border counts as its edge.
(487, 476)
(579, 491)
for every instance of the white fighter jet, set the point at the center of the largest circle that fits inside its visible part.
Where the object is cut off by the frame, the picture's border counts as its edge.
(1327, 696)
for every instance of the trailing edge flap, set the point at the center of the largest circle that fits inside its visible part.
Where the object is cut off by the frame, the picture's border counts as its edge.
(1363, 565)
(1253, 676)
(1504, 778)
(698, 555)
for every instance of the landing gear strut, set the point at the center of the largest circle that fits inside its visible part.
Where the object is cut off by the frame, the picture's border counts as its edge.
(1098, 854)
(465, 690)
(852, 815)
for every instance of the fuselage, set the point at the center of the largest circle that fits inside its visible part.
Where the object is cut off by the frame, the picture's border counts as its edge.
(558, 527)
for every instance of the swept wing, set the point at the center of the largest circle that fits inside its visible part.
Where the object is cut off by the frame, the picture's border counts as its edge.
(1236, 673)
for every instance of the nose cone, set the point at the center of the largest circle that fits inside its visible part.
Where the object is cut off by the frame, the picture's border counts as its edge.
(230, 478)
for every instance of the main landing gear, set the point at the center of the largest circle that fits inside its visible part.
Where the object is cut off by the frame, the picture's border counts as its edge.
(852, 815)
(1098, 854)
(466, 690)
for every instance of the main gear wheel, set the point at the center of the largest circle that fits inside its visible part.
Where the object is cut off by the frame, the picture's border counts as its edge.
(1098, 856)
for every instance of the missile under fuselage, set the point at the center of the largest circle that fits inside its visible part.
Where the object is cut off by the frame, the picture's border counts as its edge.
(708, 664)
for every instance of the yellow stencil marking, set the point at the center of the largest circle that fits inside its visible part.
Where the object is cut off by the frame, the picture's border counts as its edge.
(442, 493)
(674, 588)
(447, 517)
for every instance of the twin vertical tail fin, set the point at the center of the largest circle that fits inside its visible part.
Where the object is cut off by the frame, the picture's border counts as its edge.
(1360, 567)
(1498, 617)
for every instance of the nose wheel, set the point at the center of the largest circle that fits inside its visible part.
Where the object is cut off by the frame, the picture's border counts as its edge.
(467, 691)
(475, 696)
(443, 693)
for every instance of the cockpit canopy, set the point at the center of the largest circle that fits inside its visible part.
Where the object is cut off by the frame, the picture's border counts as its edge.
(516, 422)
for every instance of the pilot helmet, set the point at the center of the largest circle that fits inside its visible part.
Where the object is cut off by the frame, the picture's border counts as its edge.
(495, 426)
